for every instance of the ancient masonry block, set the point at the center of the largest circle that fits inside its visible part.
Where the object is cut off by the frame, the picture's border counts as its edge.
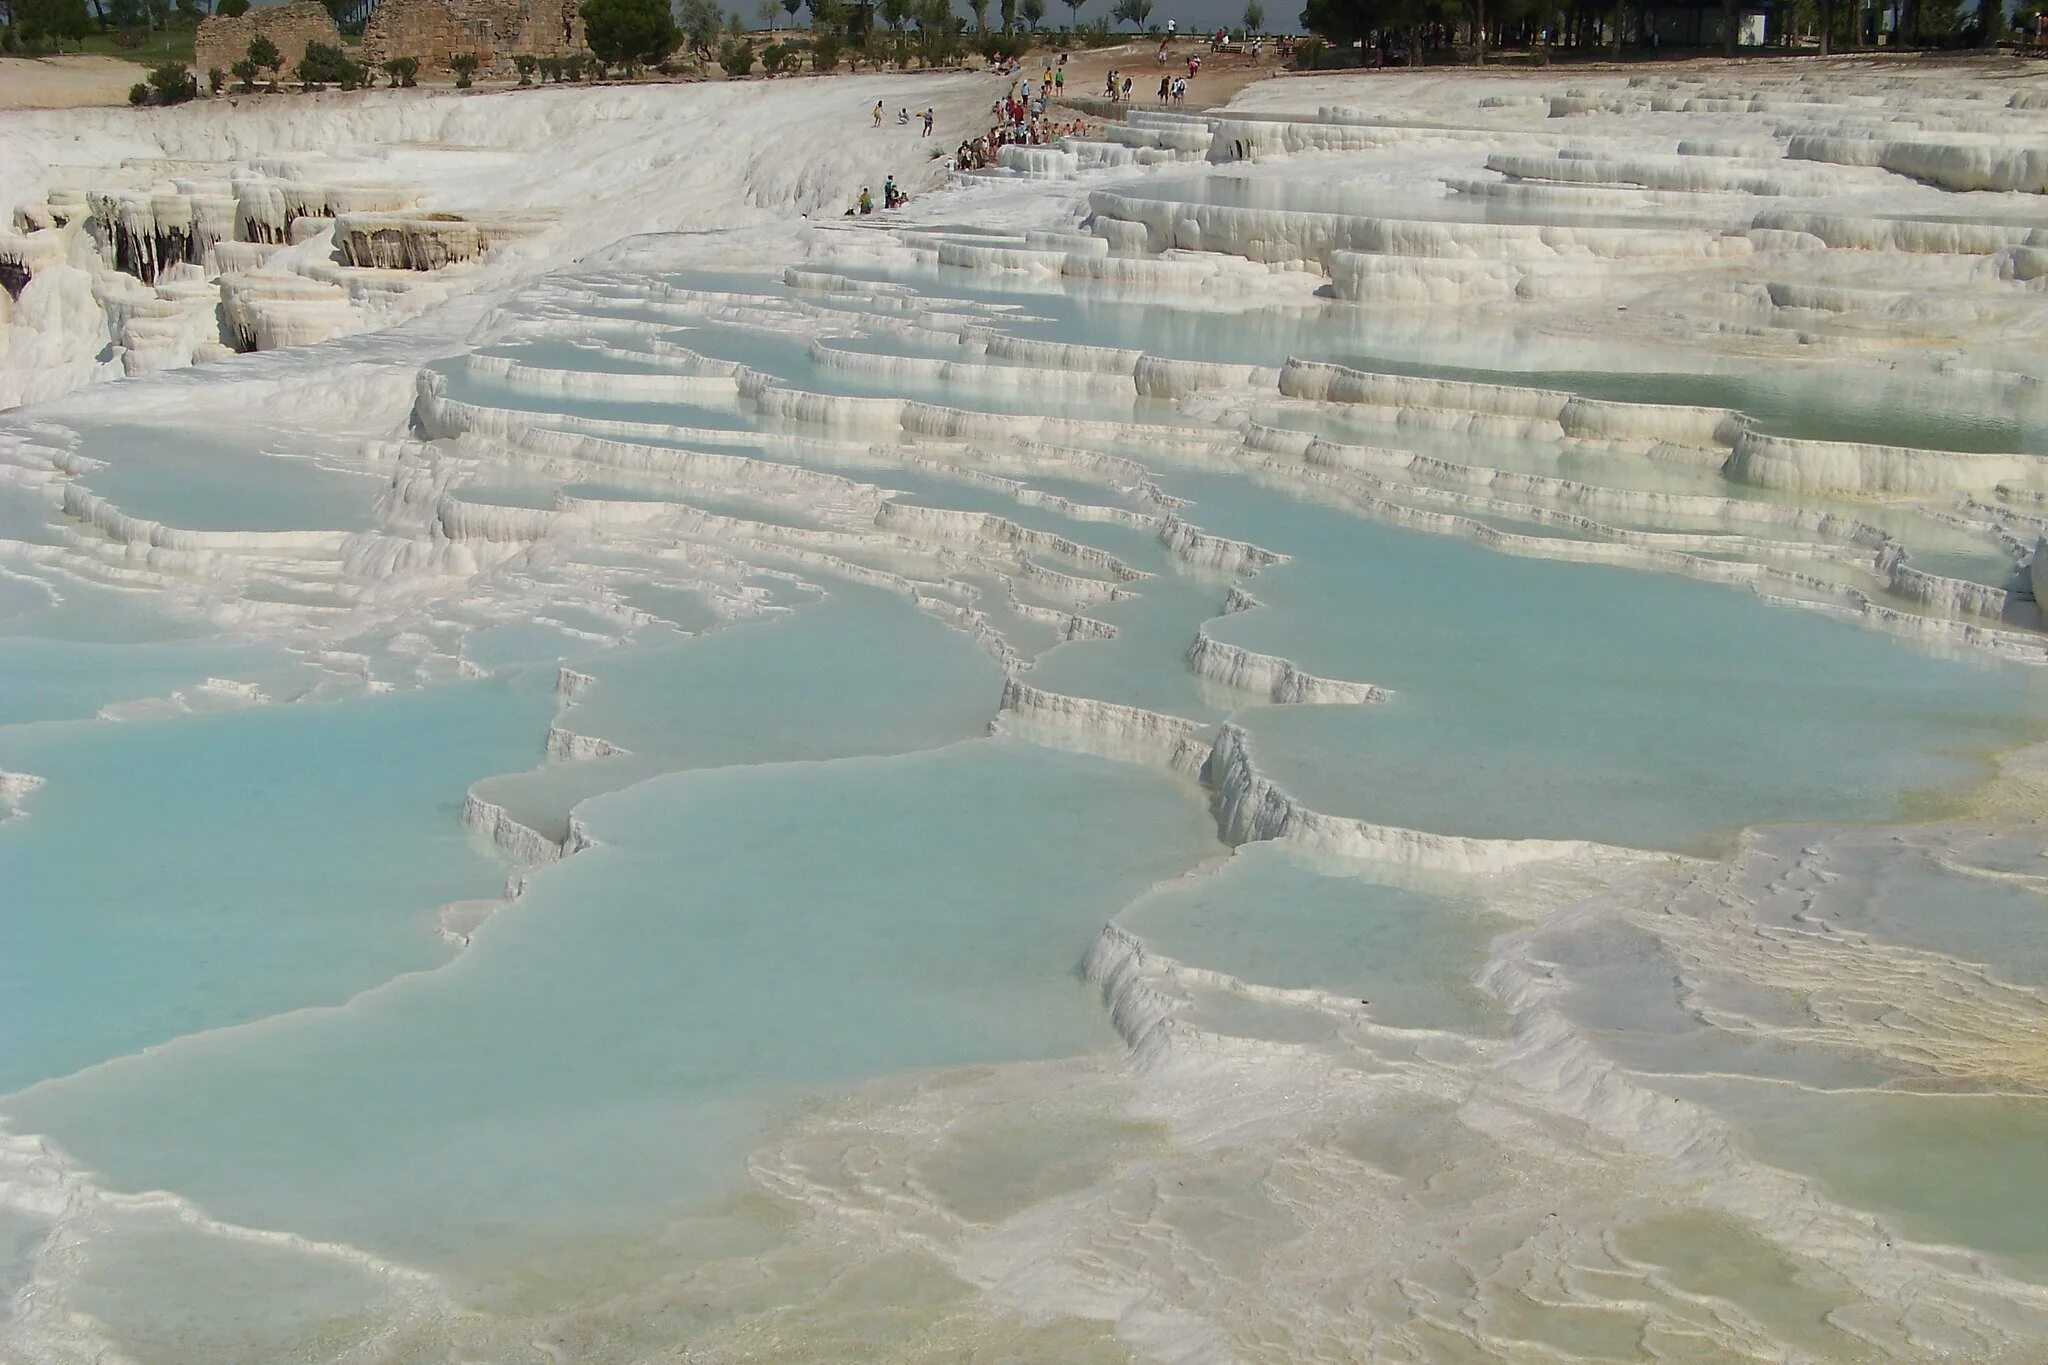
(223, 42)
(495, 30)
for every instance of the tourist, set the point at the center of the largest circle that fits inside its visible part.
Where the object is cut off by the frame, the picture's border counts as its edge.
(1165, 88)
(867, 201)
(1127, 90)
(929, 118)
(878, 113)
(1059, 77)
(890, 199)
(1109, 86)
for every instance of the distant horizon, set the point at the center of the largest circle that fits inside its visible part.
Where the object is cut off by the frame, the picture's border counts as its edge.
(1192, 16)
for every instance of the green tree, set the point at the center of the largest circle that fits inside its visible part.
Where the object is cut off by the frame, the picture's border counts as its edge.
(980, 8)
(51, 21)
(1991, 16)
(1009, 13)
(790, 7)
(265, 56)
(1033, 12)
(894, 13)
(1074, 11)
(737, 57)
(245, 72)
(630, 33)
(464, 65)
(1254, 17)
(231, 9)
(700, 21)
(938, 32)
(1132, 12)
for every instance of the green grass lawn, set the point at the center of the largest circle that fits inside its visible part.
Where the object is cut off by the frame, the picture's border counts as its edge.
(165, 45)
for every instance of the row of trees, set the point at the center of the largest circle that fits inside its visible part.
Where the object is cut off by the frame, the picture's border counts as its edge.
(1418, 26)
(39, 25)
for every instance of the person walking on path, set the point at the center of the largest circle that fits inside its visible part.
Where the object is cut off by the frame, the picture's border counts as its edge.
(878, 113)
(929, 116)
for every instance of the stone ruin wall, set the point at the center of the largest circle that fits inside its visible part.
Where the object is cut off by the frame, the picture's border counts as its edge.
(495, 30)
(222, 42)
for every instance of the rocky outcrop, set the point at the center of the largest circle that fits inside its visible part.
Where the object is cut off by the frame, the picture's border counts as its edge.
(494, 30)
(221, 42)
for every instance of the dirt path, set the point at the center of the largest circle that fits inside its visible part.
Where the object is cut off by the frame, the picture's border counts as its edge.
(65, 82)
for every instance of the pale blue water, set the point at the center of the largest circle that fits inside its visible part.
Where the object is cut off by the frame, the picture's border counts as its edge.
(614, 1038)
(269, 859)
(45, 679)
(1535, 698)
(220, 971)
(1275, 916)
(204, 481)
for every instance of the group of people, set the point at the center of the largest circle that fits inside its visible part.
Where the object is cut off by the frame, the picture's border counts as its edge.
(1173, 89)
(892, 198)
(983, 152)
(904, 118)
(1194, 62)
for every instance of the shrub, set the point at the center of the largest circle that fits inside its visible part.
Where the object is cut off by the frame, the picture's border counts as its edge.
(231, 9)
(245, 72)
(402, 72)
(464, 65)
(775, 58)
(736, 57)
(825, 52)
(215, 79)
(525, 64)
(1308, 53)
(573, 66)
(323, 64)
(173, 82)
(138, 93)
(128, 39)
